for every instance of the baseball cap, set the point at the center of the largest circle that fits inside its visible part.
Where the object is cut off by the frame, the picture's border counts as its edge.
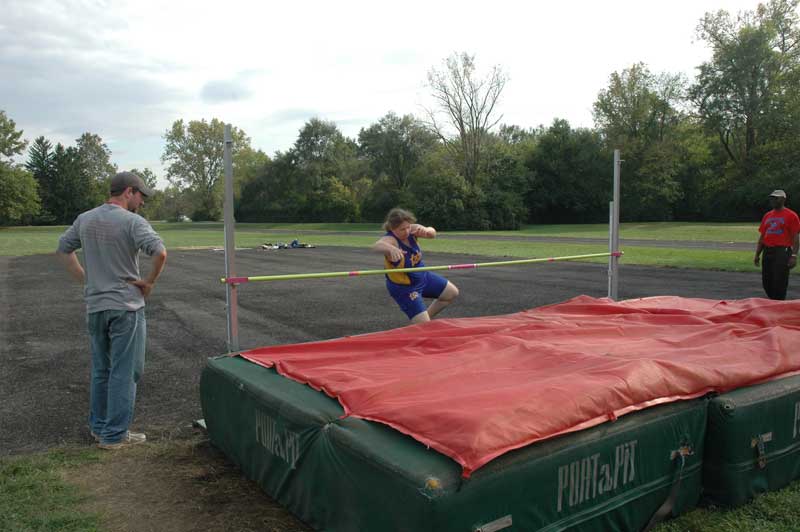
(123, 180)
(778, 193)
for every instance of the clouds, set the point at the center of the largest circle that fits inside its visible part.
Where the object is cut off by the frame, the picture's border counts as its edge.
(70, 73)
(225, 91)
(291, 116)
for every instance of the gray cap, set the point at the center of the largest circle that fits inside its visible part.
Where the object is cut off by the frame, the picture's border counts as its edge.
(778, 194)
(123, 180)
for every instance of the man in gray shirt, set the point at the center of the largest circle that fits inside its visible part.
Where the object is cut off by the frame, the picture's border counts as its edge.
(111, 236)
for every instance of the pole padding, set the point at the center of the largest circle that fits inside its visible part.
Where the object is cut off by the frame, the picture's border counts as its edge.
(324, 275)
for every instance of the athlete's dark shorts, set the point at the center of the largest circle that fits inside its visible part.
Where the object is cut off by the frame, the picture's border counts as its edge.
(410, 297)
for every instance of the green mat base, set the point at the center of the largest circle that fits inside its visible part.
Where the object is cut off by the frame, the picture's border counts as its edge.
(753, 441)
(353, 475)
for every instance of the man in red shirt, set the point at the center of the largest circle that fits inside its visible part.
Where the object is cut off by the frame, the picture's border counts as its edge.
(779, 241)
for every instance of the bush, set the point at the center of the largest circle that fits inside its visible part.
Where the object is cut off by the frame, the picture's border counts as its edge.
(19, 200)
(381, 198)
(333, 201)
(441, 201)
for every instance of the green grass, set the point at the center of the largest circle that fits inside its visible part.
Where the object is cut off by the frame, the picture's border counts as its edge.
(722, 232)
(719, 232)
(33, 496)
(36, 240)
(776, 511)
(365, 227)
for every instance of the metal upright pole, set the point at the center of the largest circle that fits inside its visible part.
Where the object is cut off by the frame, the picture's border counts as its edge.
(230, 247)
(610, 248)
(613, 232)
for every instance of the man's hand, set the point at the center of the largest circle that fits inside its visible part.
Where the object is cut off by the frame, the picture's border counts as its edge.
(145, 287)
(792, 261)
(757, 260)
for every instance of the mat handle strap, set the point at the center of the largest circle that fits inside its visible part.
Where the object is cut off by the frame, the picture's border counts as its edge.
(759, 444)
(666, 507)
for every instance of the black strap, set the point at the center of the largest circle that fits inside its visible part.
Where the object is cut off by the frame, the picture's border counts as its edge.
(761, 451)
(666, 507)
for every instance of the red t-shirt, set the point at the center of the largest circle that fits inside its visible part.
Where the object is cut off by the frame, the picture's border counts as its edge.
(779, 227)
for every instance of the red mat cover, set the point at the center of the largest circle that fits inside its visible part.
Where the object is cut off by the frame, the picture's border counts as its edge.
(475, 388)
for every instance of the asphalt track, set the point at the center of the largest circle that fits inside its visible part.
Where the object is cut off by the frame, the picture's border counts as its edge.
(44, 364)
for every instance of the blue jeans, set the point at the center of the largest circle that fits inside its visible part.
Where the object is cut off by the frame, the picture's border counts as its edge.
(117, 342)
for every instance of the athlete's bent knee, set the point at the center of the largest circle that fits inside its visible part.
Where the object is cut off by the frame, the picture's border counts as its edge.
(450, 293)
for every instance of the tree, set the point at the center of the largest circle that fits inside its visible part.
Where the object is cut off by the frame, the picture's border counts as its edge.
(748, 96)
(333, 202)
(322, 151)
(148, 176)
(194, 153)
(40, 157)
(639, 113)
(173, 207)
(515, 136)
(96, 161)
(70, 186)
(11, 141)
(638, 107)
(324, 168)
(441, 196)
(747, 91)
(507, 180)
(247, 164)
(65, 186)
(465, 108)
(273, 195)
(96, 157)
(153, 206)
(40, 165)
(394, 146)
(571, 176)
(382, 195)
(19, 200)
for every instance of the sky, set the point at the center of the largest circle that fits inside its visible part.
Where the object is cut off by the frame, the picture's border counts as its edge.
(126, 70)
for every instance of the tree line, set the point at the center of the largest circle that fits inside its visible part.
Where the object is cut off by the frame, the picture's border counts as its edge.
(707, 149)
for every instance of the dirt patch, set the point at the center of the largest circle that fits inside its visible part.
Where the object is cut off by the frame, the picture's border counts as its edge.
(180, 485)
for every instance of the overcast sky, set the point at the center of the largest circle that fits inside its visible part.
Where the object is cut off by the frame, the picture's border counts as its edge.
(127, 70)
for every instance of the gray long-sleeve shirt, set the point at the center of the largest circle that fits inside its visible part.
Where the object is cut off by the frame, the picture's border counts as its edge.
(111, 238)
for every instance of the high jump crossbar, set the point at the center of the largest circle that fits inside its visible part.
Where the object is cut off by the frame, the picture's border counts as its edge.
(323, 275)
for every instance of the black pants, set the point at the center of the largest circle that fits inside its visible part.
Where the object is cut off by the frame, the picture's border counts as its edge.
(775, 271)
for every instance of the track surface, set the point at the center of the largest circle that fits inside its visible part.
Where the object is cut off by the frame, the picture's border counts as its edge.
(44, 363)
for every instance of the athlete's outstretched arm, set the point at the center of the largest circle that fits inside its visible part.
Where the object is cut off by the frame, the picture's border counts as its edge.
(420, 231)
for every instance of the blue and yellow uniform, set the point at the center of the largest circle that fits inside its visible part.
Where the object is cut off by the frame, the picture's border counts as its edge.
(408, 288)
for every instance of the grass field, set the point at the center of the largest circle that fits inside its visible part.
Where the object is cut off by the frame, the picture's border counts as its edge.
(34, 496)
(698, 232)
(36, 240)
(720, 232)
